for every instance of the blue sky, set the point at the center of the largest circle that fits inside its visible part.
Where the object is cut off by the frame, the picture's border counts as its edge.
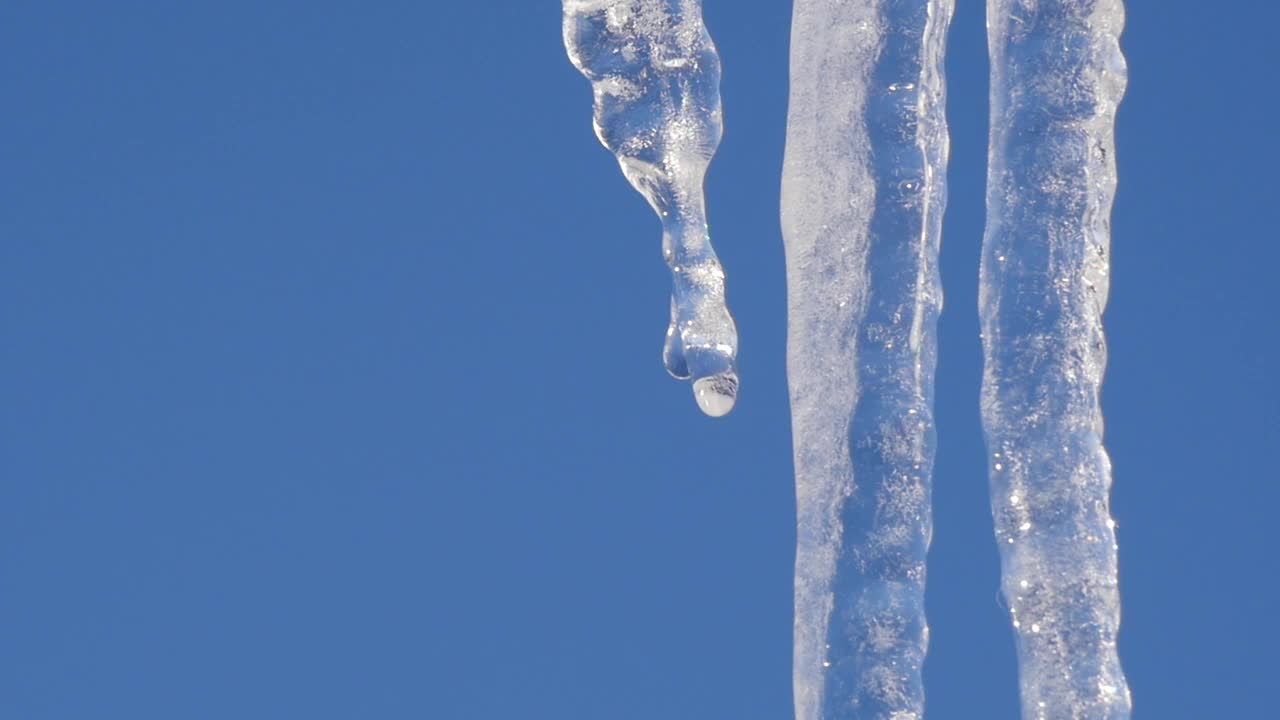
(330, 383)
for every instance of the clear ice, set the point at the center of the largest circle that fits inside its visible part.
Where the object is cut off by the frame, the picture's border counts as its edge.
(863, 193)
(655, 76)
(1057, 75)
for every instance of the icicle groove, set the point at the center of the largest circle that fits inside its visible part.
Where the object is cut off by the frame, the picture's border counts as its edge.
(1057, 75)
(656, 80)
(863, 193)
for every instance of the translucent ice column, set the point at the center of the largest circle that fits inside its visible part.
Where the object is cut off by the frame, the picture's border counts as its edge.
(656, 79)
(1056, 77)
(863, 191)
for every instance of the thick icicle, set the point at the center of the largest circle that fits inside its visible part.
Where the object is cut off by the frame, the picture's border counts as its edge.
(1056, 77)
(656, 79)
(863, 192)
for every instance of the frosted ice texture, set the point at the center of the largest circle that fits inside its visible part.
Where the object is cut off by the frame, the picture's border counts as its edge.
(863, 192)
(1057, 75)
(656, 80)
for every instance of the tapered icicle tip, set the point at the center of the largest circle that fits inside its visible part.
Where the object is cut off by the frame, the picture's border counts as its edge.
(717, 394)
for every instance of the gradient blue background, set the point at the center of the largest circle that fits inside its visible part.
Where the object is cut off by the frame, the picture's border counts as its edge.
(330, 380)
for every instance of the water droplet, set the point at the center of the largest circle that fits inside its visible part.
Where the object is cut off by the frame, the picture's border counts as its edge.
(716, 395)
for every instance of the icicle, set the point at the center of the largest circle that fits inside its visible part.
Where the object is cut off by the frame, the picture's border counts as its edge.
(656, 79)
(863, 192)
(1056, 77)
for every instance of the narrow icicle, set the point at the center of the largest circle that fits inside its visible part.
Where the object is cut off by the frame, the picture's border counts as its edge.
(656, 79)
(863, 192)
(1057, 75)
